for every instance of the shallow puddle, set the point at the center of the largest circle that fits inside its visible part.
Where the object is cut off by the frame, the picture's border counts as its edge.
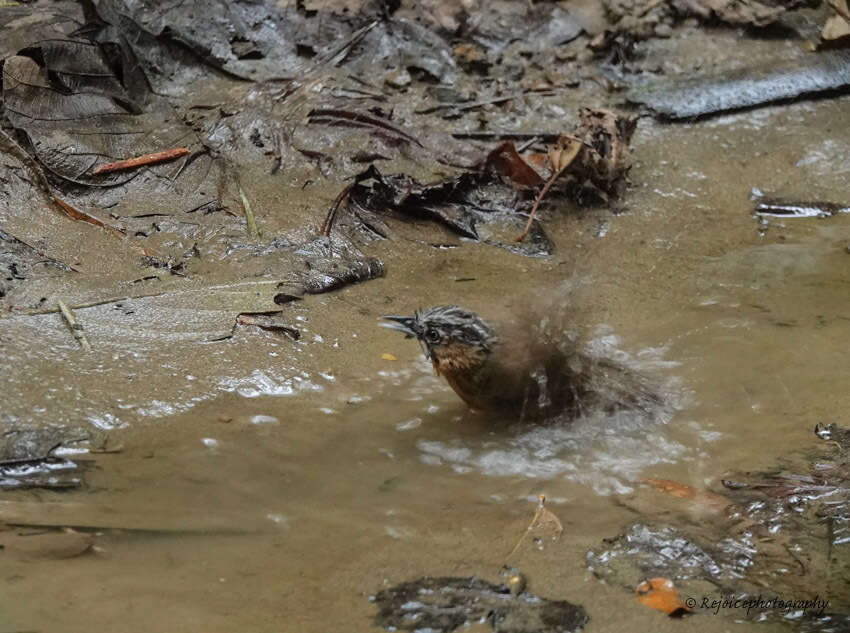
(269, 484)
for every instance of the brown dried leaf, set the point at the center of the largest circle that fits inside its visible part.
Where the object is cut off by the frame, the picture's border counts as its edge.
(563, 153)
(508, 163)
(836, 30)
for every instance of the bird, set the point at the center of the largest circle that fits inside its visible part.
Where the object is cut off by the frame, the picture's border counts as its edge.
(528, 372)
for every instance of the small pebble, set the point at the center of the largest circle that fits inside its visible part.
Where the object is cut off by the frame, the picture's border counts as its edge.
(663, 30)
(517, 583)
(398, 79)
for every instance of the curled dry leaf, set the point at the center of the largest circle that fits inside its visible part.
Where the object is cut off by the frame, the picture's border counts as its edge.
(836, 30)
(507, 162)
(661, 594)
(563, 153)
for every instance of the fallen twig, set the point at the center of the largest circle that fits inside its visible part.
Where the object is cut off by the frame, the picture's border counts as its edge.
(462, 106)
(82, 216)
(249, 216)
(76, 328)
(267, 322)
(839, 9)
(21, 461)
(544, 137)
(650, 6)
(540, 513)
(561, 158)
(330, 116)
(329, 219)
(335, 56)
(140, 161)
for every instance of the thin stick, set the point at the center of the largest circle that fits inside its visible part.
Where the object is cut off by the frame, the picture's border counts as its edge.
(82, 216)
(528, 529)
(836, 6)
(140, 161)
(329, 220)
(568, 160)
(253, 233)
(76, 328)
(537, 204)
(540, 512)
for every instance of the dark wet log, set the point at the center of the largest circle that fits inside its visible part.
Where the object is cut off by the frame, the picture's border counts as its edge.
(698, 96)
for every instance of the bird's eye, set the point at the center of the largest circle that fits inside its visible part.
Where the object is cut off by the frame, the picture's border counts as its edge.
(433, 336)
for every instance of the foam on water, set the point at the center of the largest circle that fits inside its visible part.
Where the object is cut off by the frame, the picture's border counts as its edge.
(607, 451)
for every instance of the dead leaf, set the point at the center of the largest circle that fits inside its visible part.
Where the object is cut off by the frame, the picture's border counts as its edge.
(386, 356)
(508, 163)
(272, 321)
(661, 594)
(563, 152)
(471, 56)
(836, 30)
(700, 499)
(544, 521)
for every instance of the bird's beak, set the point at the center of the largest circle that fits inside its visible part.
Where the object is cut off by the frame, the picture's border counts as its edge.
(403, 324)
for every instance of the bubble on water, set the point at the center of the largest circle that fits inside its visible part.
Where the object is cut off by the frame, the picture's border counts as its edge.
(267, 383)
(264, 419)
(106, 421)
(408, 424)
(279, 519)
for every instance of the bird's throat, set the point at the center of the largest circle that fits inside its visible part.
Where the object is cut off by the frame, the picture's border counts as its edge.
(456, 358)
(460, 365)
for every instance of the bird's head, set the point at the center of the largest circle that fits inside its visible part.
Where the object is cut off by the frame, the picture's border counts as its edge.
(453, 337)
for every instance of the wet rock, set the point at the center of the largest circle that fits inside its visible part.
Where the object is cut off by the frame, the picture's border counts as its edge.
(51, 545)
(785, 534)
(27, 457)
(329, 264)
(663, 30)
(446, 604)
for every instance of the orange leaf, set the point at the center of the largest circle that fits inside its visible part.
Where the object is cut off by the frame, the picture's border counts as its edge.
(670, 487)
(661, 594)
(700, 499)
(537, 160)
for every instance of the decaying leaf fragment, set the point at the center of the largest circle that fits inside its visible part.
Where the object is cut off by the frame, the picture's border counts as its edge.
(607, 159)
(543, 520)
(836, 30)
(507, 162)
(701, 500)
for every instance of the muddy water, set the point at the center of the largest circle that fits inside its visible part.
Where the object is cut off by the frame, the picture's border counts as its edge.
(266, 484)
